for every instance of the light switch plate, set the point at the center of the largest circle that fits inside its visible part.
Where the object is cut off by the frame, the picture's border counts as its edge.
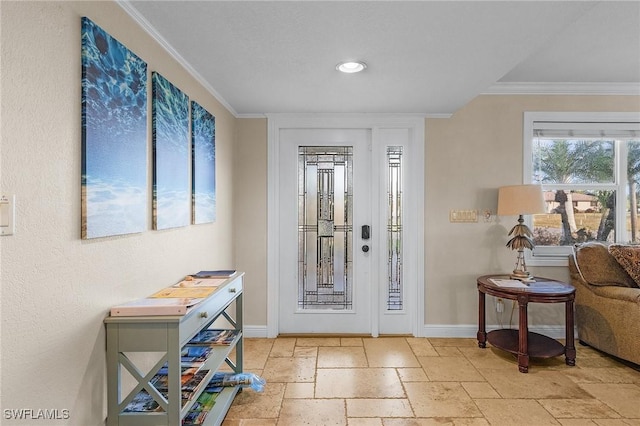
(463, 216)
(7, 213)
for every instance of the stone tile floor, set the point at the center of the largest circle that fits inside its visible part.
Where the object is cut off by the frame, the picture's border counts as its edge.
(405, 381)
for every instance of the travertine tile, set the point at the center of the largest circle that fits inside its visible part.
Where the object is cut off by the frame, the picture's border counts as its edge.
(489, 357)
(449, 341)
(351, 341)
(283, 347)
(439, 421)
(352, 421)
(440, 399)
(319, 412)
(340, 357)
(421, 347)
(448, 351)
(453, 383)
(358, 383)
(299, 390)
(258, 405)
(318, 341)
(578, 409)
(480, 390)
(305, 351)
(256, 352)
(514, 412)
(577, 422)
(250, 422)
(537, 384)
(389, 352)
(412, 375)
(289, 370)
(624, 398)
(450, 369)
(613, 375)
(388, 407)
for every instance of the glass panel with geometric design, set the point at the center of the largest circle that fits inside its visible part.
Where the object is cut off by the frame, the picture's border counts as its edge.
(394, 228)
(325, 227)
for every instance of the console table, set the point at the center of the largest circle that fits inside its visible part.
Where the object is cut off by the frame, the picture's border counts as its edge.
(522, 342)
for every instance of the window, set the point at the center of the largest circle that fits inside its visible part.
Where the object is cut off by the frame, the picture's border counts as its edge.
(589, 167)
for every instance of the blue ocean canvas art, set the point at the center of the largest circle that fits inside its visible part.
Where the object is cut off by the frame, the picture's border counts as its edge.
(171, 186)
(114, 136)
(203, 145)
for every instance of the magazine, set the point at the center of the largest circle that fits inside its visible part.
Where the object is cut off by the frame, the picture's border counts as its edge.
(202, 406)
(214, 337)
(194, 356)
(141, 403)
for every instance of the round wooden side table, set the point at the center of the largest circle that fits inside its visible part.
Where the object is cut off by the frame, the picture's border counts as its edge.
(522, 342)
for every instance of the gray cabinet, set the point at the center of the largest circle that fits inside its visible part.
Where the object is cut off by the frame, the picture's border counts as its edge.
(136, 337)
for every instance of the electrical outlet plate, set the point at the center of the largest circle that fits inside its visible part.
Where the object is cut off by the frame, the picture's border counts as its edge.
(463, 216)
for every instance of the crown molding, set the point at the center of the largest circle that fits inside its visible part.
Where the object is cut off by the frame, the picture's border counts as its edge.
(149, 29)
(509, 88)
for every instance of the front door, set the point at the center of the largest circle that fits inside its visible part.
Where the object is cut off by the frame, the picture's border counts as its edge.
(325, 200)
(344, 250)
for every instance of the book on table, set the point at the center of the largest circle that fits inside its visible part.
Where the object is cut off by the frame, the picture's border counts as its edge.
(219, 273)
(155, 306)
(186, 292)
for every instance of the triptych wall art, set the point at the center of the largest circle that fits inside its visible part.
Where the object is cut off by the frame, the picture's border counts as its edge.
(115, 145)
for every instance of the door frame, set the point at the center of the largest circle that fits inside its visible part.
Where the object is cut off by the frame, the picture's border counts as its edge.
(414, 274)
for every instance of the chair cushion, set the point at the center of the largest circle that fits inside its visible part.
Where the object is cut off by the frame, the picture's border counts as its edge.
(599, 267)
(628, 256)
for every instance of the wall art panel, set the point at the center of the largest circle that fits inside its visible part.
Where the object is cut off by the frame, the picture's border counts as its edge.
(114, 136)
(171, 178)
(203, 143)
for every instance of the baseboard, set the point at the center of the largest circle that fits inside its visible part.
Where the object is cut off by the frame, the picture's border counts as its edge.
(454, 331)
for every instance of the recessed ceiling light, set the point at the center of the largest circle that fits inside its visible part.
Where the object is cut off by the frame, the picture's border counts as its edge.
(351, 67)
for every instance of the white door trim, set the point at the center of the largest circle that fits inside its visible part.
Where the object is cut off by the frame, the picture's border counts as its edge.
(415, 275)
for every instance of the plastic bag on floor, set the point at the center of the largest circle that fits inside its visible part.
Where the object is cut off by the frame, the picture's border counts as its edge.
(251, 380)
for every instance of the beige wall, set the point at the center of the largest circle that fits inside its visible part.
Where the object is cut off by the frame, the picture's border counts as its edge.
(56, 288)
(467, 157)
(250, 211)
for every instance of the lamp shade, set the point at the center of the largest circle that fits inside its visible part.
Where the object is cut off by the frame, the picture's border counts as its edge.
(520, 199)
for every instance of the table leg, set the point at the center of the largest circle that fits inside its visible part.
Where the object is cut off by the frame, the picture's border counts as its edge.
(482, 329)
(569, 349)
(523, 335)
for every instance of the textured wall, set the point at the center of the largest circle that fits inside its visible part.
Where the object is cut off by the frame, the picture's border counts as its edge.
(57, 288)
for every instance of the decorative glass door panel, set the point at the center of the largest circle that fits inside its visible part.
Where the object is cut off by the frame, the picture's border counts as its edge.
(325, 227)
(394, 228)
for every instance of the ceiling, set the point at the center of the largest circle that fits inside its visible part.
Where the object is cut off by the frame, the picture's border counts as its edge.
(428, 57)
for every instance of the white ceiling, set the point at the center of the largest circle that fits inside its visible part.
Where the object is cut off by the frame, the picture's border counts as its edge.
(428, 57)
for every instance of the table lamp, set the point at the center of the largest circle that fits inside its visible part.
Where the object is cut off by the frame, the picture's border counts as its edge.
(519, 200)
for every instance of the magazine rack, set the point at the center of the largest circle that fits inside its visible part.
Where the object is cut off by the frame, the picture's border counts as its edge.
(128, 337)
